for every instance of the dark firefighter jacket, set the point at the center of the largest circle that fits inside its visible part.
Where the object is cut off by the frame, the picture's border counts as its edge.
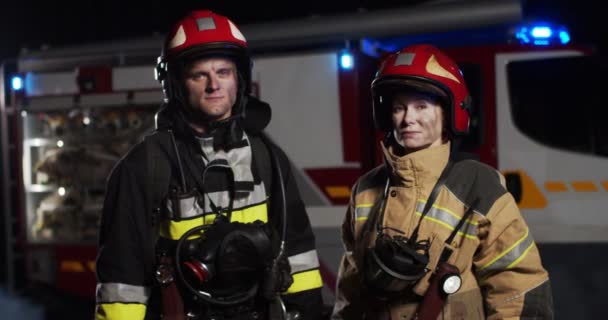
(499, 263)
(126, 286)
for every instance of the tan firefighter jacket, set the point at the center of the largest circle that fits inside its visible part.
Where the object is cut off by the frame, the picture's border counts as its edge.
(500, 266)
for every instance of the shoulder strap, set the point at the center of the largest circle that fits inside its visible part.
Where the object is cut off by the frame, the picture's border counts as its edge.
(262, 160)
(262, 156)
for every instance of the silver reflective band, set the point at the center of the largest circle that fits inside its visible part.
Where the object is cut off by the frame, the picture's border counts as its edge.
(205, 24)
(451, 284)
(362, 212)
(304, 261)
(449, 220)
(405, 59)
(121, 292)
(510, 257)
(188, 207)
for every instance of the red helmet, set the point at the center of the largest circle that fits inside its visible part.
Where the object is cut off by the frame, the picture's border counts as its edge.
(422, 68)
(202, 33)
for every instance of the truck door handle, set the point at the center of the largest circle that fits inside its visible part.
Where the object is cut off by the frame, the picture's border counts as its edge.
(514, 185)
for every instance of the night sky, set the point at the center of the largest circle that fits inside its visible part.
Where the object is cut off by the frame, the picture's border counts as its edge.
(32, 25)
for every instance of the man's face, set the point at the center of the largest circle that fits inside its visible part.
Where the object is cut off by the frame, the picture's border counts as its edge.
(211, 85)
(417, 121)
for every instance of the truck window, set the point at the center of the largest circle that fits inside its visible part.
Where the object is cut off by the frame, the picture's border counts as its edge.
(556, 102)
(472, 76)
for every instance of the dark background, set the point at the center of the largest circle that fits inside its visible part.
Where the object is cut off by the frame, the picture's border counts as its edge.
(32, 25)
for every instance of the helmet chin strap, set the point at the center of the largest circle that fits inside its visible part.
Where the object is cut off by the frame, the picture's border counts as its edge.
(214, 125)
(397, 140)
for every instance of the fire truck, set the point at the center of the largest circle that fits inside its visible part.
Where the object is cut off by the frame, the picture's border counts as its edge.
(69, 113)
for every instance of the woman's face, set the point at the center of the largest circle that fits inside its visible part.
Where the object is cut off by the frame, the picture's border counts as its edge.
(417, 121)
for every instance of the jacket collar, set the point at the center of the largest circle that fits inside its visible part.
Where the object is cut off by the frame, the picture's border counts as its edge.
(417, 167)
(254, 119)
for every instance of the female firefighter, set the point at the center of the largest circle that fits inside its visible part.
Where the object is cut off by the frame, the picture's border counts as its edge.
(426, 235)
(202, 219)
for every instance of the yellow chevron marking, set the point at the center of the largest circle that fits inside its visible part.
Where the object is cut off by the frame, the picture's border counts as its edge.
(556, 186)
(338, 191)
(71, 266)
(531, 196)
(584, 186)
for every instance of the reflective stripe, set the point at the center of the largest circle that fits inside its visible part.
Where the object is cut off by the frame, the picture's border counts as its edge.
(448, 219)
(304, 261)
(510, 257)
(121, 292)
(238, 159)
(175, 229)
(306, 280)
(205, 23)
(362, 211)
(113, 311)
(191, 207)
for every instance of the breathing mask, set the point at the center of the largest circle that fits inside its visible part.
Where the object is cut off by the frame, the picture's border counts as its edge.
(395, 263)
(224, 266)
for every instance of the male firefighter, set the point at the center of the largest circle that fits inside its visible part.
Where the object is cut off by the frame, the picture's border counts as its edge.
(428, 235)
(203, 219)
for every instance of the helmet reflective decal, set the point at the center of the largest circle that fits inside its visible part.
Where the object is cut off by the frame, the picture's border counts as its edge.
(178, 39)
(433, 67)
(206, 23)
(405, 59)
(236, 32)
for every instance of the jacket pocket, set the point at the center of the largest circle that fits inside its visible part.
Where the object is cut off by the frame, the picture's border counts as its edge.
(465, 305)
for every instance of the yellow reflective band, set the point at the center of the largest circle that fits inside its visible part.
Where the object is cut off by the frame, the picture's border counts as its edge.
(508, 250)
(448, 219)
(523, 255)
(115, 311)
(362, 211)
(306, 280)
(175, 229)
(460, 233)
(469, 221)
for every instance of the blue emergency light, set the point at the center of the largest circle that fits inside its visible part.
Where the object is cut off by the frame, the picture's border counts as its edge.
(17, 83)
(542, 34)
(347, 61)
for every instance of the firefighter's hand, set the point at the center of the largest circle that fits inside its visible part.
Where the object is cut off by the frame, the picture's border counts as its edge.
(285, 278)
(278, 278)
